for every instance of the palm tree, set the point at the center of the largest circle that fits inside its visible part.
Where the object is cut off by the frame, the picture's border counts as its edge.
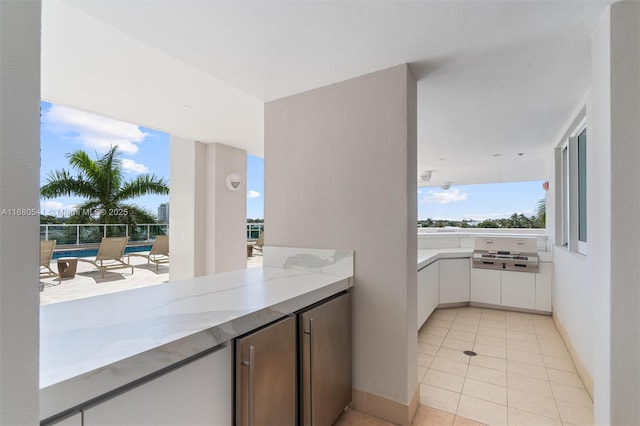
(101, 182)
(542, 212)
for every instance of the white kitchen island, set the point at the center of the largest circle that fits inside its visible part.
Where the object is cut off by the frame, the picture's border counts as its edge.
(137, 354)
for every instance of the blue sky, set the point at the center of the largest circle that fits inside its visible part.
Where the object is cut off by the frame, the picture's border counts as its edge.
(478, 202)
(65, 130)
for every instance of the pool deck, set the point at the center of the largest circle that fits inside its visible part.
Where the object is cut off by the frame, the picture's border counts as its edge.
(89, 282)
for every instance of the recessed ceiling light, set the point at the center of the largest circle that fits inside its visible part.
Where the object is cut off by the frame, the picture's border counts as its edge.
(520, 154)
(496, 155)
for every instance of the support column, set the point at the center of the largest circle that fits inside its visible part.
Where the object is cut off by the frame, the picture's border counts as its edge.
(614, 208)
(19, 202)
(226, 209)
(208, 221)
(340, 171)
(188, 217)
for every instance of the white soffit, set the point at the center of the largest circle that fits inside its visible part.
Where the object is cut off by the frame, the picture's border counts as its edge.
(92, 66)
(495, 77)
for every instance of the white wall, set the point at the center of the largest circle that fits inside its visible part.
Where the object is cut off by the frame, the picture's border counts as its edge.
(625, 215)
(19, 184)
(573, 289)
(596, 297)
(226, 210)
(343, 158)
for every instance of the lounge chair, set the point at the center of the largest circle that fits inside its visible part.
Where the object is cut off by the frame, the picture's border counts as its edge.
(259, 243)
(110, 255)
(159, 251)
(46, 253)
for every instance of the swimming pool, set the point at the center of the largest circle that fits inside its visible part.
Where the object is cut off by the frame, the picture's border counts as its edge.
(94, 252)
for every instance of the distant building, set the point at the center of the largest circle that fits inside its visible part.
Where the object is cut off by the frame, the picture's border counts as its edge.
(163, 213)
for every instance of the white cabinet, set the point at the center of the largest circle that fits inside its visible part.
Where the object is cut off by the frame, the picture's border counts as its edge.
(544, 279)
(519, 289)
(195, 394)
(454, 280)
(485, 286)
(428, 291)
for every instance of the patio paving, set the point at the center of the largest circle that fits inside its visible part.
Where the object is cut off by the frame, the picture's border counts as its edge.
(88, 281)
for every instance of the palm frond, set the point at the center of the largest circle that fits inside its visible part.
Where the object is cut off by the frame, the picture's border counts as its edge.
(61, 183)
(143, 185)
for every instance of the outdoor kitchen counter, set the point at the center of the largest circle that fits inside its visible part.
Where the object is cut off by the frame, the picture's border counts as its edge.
(90, 346)
(427, 256)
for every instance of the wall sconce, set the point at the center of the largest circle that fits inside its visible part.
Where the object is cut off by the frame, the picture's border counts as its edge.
(425, 176)
(234, 181)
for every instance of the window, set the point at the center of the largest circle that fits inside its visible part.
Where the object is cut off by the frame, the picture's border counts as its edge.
(573, 189)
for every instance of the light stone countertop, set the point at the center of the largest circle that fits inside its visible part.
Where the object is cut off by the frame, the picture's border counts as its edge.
(427, 256)
(95, 344)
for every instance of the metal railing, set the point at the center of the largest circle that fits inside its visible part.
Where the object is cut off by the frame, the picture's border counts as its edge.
(254, 230)
(77, 234)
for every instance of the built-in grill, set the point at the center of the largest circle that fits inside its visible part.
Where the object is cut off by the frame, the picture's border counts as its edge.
(506, 253)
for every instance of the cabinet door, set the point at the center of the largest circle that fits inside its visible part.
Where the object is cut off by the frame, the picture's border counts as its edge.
(454, 280)
(326, 361)
(196, 394)
(433, 287)
(428, 291)
(485, 286)
(543, 287)
(519, 289)
(266, 392)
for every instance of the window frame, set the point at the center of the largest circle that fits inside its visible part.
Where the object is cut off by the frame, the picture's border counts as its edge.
(570, 194)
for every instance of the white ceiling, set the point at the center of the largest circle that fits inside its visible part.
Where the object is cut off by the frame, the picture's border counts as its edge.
(494, 77)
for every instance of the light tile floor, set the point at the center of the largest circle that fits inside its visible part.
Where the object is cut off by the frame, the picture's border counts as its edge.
(522, 375)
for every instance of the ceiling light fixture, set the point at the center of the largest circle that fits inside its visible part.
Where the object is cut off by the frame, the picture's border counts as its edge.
(446, 185)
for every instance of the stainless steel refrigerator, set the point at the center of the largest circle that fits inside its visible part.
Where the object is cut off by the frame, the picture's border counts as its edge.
(297, 370)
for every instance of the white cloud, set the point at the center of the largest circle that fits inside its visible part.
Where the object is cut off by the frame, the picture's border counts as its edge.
(130, 165)
(92, 131)
(56, 208)
(445, 197)
(252, 194)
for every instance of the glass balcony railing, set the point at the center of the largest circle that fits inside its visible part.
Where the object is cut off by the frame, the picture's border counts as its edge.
(68, 234)
(254, 230)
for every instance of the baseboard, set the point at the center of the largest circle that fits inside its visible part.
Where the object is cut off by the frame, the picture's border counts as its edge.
(581, 368)
(387, 409)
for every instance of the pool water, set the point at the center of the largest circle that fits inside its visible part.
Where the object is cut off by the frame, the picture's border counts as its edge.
(94, 252)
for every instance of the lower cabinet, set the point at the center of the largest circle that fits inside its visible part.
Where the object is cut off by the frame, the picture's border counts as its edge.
(486, 286)
(318, 340)
(325, 339)
(454, 280)
(523, 290)
(428, 291)
(519, 289)
(196, 394)
(544, 278)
